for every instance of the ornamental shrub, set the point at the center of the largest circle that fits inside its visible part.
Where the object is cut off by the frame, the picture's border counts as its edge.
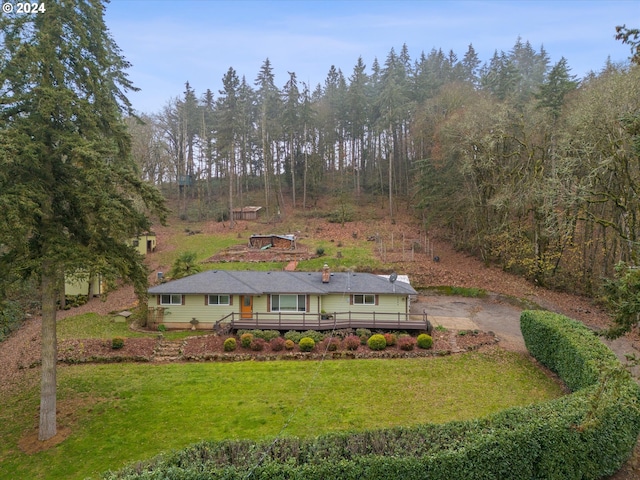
(246, 339)
(331, 344)
(406, 343)
(390, 338)
(289, 344)
(277, 344)
(257, 344)
(363, 332)
(266, 335)
(352, 342)
(293, 335)
(117, 343)
(424, 341)
(230, 344)
(316, 336)
(306, 344)
(377, 342)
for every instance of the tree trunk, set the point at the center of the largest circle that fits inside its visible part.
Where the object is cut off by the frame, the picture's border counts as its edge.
(49, 356)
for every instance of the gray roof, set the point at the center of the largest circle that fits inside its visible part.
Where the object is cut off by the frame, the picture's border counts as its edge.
(259, 283)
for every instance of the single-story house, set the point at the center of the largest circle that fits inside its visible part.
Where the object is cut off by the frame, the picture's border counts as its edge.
(277, 241)
(246, 213)
(281, 300)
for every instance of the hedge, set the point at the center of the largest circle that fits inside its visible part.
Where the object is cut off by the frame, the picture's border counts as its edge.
(586, 435)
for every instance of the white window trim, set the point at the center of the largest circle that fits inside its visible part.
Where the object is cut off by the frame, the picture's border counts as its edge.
(364, 301)
(219, 303)
(172, 297)
(297, 310)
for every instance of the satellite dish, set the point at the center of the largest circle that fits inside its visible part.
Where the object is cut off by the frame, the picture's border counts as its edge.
(392, 278)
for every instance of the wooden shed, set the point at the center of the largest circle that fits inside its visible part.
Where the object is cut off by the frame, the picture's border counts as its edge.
(276, 241)
(246, 213)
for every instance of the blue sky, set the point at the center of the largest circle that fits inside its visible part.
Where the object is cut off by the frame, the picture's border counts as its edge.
(171, 41)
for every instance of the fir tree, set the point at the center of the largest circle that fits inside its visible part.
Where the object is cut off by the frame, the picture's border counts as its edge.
(70, 196)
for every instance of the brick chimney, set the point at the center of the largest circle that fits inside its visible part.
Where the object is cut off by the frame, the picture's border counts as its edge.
(326, 274)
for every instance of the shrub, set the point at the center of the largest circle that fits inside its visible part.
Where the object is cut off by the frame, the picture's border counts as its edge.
(246, 339)
(162, 328)
(316, 336)
(424, 341)
(377, 342)
(352, 342)
(257, 344)
(230, 344)
(289, 344)
(266, 335)
(306, 344)
(277, 344)
(332, 344)
(293, 335)
(117, 343)
(320, 251)
(363, 332)
(297, 336)
(406, 343)
(390, 338)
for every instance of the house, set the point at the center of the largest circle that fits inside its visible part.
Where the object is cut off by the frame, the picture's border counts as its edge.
(282, 300)
(145, 243)
(246, 213)
(83, 284)
(277, 241)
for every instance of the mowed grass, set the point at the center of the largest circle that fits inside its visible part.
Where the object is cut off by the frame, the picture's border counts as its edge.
(92, 325)
(121, 413)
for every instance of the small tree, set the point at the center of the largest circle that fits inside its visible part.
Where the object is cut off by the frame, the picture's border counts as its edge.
(623, 298)
(185, 265)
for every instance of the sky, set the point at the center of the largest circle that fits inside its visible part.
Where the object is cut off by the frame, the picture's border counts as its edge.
(170, 42)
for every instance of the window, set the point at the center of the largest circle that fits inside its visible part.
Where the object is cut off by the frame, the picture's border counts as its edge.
(172, 299)
(364, 299)
(218, 300)
(288, 303)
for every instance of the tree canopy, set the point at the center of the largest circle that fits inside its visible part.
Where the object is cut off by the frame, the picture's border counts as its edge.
(70, 195)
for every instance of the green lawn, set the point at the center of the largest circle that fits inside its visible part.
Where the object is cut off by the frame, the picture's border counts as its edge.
(125, 412)
(92, 325)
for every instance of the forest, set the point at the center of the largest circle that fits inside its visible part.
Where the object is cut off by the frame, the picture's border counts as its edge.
(515, 160)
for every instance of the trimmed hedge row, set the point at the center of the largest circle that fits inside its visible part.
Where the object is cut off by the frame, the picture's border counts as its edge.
(585, 435)
(566, 347)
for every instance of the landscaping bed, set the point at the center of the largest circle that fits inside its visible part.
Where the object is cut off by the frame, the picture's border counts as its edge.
(101, 350)
(211, 348)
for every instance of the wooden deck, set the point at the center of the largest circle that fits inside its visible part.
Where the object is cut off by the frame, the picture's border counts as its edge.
(340, 320)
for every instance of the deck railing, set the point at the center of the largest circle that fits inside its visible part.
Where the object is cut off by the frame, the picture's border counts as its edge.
(324, 321)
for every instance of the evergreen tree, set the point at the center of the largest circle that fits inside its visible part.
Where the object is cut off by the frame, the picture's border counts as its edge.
(227, 128)
(69, 190)
(269, 107)
(558, 84)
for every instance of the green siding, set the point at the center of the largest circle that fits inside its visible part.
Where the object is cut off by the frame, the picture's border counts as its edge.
(194, 307)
